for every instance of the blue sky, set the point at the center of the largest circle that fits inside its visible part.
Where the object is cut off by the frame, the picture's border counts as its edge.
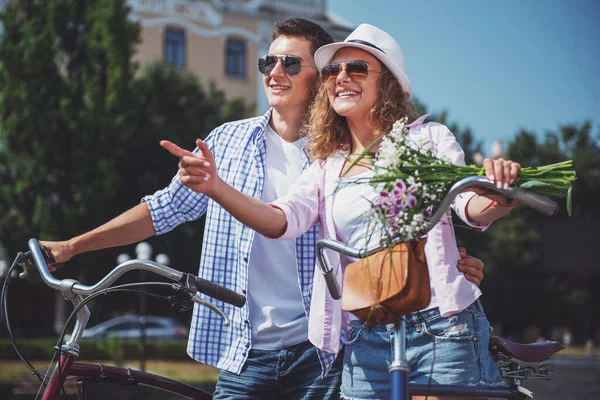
(496, 66)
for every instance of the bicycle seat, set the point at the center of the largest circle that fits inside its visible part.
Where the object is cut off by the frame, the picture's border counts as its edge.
(533, 352)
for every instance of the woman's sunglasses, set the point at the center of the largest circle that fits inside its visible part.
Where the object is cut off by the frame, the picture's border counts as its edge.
(356, 70)
(291, 64)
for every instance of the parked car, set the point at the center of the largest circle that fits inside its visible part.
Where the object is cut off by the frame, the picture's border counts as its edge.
(129, 327)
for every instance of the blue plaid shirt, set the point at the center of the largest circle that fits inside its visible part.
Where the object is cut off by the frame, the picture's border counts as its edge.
(239, 152)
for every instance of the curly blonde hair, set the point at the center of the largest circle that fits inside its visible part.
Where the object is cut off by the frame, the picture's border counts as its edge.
(329, 132)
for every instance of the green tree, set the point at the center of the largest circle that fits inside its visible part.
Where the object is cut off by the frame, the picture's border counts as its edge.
(513, 248)
(80, 130)
(171, 104)
(65, 81)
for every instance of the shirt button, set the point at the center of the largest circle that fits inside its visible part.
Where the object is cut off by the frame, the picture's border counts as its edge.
(245, 259)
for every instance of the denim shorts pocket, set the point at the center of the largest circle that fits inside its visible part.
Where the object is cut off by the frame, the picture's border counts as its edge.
(354, 333)
(454, 328)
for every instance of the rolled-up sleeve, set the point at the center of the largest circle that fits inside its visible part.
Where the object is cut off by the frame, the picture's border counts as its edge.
(174, 205)
(301, 204)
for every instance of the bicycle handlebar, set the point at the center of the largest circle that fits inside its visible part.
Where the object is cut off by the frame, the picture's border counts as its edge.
(528, 198)
(202, 285)
(219, 292)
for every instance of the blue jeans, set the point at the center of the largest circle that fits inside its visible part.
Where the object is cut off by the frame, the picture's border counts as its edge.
(440, 350)
(291, 373)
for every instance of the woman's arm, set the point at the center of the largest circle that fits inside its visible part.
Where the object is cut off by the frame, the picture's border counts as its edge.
(198, 172)
(254, 213)
(486, 207)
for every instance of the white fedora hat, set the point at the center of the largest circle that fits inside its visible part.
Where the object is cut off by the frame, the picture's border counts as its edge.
(375, 41)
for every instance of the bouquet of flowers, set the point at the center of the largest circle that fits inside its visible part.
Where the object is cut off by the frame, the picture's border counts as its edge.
(411, 182)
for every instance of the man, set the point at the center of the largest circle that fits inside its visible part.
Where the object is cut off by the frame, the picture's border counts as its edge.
(265, 353)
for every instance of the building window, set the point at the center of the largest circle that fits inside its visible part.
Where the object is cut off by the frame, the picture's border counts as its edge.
(174, 55)
(235, 58)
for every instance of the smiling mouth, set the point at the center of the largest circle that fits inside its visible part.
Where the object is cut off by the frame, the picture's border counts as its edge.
(279, 87)
(347, 93)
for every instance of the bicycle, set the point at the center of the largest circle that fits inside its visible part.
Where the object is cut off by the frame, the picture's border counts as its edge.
(97, 381)
(515, 361)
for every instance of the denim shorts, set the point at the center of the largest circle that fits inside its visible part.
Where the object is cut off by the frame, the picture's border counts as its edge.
(450, 350)
(292, 373)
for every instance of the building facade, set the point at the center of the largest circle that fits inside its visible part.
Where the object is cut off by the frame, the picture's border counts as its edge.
(221, 40)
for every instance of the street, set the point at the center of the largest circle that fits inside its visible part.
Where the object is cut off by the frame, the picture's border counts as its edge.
(573, 378)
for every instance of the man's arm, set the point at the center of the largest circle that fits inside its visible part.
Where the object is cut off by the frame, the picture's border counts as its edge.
(130, 227)
(169, 207)
(471, 266)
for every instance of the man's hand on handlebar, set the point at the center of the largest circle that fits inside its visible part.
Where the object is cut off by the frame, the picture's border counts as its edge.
(61, 253)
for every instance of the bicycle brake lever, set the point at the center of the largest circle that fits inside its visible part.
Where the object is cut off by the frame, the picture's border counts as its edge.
(196, 299)
(187, 285)
(28, 263)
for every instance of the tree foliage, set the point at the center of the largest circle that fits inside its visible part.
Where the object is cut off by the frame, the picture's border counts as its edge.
(65, 82)
(80, 130)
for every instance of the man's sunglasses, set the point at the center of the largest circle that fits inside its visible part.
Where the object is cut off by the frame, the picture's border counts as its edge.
(356, 70)
(291, 64)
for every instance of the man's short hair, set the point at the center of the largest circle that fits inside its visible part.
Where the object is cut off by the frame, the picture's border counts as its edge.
(304, 28)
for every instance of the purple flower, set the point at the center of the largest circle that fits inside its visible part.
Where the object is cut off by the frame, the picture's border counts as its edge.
(399, 184)
(427, 213)
(394, 211)
(402, 196)
(411, 200)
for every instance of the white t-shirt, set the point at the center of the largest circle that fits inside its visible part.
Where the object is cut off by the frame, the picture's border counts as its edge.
(351, 205)
(277, 314)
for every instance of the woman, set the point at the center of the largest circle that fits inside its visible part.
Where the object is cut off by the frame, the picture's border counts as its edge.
(364, 91)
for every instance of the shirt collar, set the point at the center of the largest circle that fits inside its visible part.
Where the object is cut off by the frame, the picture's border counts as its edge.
(418, 121)
(261, 123)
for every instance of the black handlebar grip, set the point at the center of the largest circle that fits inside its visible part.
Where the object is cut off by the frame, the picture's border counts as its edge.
(219, 292)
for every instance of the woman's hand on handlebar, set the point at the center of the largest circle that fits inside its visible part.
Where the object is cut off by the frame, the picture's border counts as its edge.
(197, 171)
(502, 172)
